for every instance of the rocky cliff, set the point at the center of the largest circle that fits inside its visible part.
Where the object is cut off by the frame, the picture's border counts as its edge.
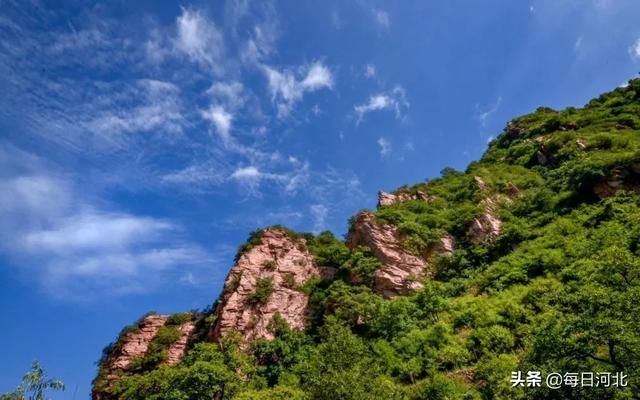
(136, 342)
(266, 281)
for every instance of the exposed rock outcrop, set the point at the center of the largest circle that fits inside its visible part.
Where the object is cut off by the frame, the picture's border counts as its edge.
(279, 264)
(132, 345)
(444, 247)
(387, 199)
(136, 343)
(486, 227)
(514, 131)
(400, 271)
(177, 350)
(620, 178)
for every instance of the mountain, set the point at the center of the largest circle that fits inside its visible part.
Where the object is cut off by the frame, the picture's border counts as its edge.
(527, 261)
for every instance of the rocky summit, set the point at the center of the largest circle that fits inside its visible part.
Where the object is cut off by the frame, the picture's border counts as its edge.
(529, 260)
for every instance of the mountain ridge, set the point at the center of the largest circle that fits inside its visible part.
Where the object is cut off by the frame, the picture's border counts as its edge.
(441, 292)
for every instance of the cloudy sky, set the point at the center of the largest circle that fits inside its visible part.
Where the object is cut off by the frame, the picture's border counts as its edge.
(139, 144)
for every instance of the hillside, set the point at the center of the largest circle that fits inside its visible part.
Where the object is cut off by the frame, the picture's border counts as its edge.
(527, 261)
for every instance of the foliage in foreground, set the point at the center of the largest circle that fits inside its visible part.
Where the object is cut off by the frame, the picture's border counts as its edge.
(34, 385)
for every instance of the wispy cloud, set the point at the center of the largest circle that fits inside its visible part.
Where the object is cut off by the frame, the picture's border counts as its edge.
(634, 50)
(336, 20)
(483, 116)
(369, 71)
(578, 43)
(385, 147)
(382, 18)
(395, 100)
(158, 108)
(290, 179)
(287, 87)
(199, 39)
(319, 213)
(83, 249)
(221, 120)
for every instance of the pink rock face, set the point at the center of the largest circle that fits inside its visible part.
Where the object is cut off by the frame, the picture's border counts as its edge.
(445, 246)
(136, 343)
(400, 271)
(289, 265)
(177, 350)
(487, 227)
(387, 199)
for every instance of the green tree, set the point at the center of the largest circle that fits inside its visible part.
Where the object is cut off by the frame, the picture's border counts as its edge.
(34, 385)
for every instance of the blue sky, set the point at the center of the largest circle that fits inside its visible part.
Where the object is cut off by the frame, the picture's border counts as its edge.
(141, 141)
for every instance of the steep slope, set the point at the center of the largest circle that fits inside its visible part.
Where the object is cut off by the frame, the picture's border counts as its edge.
(527, 261)
(266, 281)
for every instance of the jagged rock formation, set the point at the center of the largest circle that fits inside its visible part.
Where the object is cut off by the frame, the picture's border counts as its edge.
(400, 271)
(130, 346)
(444, 247)
(178, 349)
(136, 343)
(486, 227)
(387, 199)
(282, 264)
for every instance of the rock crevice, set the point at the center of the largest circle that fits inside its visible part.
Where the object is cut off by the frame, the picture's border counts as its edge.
(400, 272)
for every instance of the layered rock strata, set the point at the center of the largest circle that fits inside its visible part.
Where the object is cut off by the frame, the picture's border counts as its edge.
(266, 281)
(400, 272)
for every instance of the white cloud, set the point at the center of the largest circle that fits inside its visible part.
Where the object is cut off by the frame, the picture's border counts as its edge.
(199, 39)
(291, 180)
(369, 71)
(484, 116)
(221, 120)
(634, 50)
(91, 230)
(230, 93)
(382, 18)
(286, 89)
(197, 177)
(150, 105)
(246, 173)
(156, 49)
(393, 101)
(319, 213)
(80, 249)
(385, 147)
(318, 77)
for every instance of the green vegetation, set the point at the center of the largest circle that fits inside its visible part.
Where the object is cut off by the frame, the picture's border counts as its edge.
(264, 287)
(157, 351)
(34, 385)
(557, 291)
